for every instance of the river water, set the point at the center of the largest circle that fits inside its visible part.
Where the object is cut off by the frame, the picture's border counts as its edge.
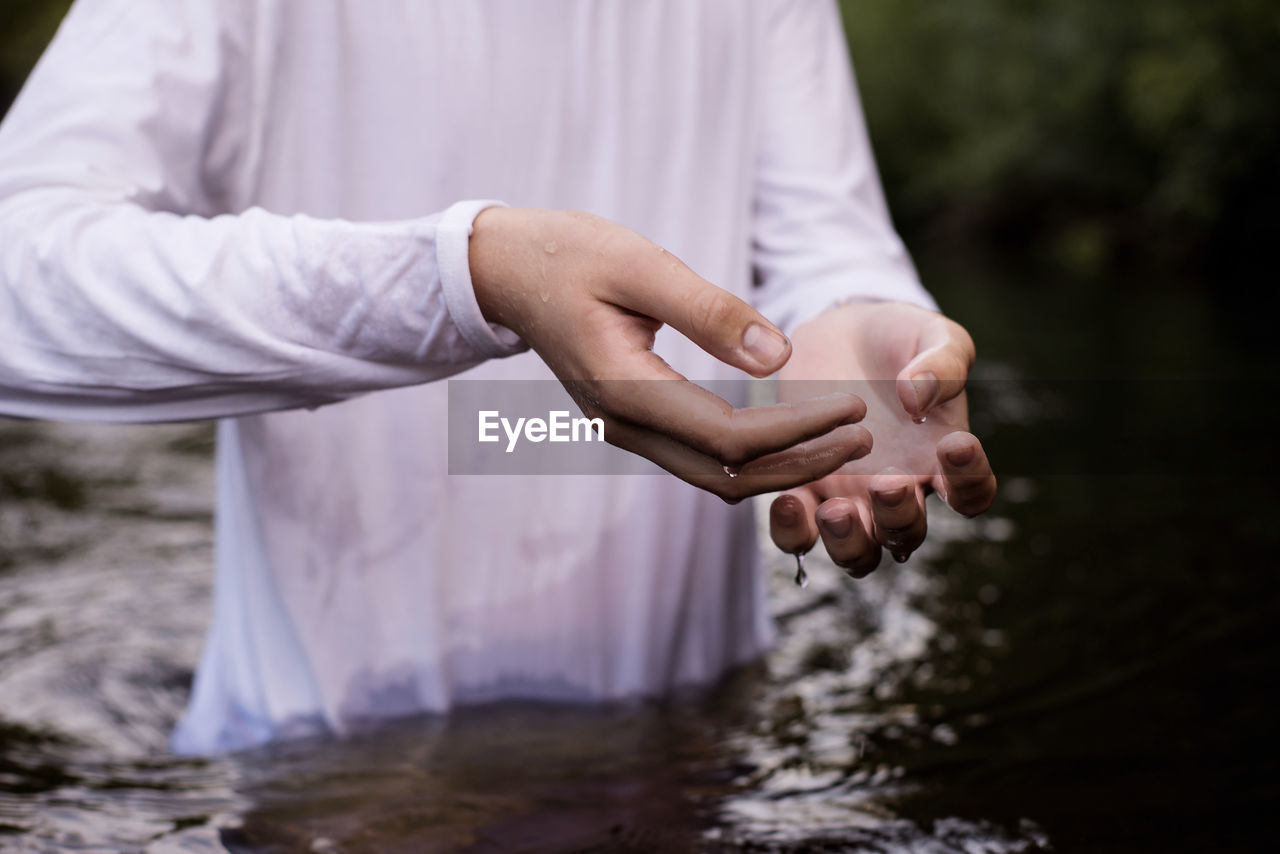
(1086, 668)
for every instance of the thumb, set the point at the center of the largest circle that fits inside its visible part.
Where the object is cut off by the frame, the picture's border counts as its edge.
(939, 371)
(660, 286)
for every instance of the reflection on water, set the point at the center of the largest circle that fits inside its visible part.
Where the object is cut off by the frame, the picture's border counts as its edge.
(104, 598)
(1081, 670)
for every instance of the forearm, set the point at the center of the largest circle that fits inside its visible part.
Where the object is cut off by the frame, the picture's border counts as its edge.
(114, 312)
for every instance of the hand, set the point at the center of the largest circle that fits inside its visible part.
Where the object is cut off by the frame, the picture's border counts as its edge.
(878, 501)
(589, 295)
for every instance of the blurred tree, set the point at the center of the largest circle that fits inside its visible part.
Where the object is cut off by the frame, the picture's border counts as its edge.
(1097, 134)
(1094, 129)
(26, 26)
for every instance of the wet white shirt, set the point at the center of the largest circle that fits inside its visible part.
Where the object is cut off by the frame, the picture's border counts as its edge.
(246, 209)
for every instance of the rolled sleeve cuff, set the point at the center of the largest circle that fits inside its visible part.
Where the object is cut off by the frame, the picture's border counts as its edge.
(453, 234)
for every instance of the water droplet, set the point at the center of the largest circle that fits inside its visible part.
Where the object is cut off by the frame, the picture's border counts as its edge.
(802, 577)
(919, 419)
(730, 472)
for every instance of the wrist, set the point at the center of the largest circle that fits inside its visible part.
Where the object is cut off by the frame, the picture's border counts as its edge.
(453, 233)
(489, 250)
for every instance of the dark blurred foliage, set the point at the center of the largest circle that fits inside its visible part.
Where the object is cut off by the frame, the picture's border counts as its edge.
(25, 28)
(1106, 134)
(1102, 136)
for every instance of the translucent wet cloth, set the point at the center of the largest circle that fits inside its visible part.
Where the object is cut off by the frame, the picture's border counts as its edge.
(211, 208)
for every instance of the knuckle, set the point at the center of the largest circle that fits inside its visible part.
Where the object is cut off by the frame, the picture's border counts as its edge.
(861, 565)
(711, 310)
(729, 450)
(729, 496)
(975, 498)
(964, 343)
(737, 489)
(628, 257)
(977, 506)
(723, 489)
(634, 256)
(740, 490)
(897, 524)
(908, 537)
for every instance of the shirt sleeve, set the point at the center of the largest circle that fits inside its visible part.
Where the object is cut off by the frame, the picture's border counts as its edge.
(126, 295)
(822, 230)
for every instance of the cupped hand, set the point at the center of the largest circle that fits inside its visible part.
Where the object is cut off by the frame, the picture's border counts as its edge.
(589, 295)
(910, 365)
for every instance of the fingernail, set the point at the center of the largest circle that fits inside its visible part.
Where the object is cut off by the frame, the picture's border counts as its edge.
(960, 456)
(892, 497)
(785, 514)
(927, 388)
(839, 526)
(764, 345)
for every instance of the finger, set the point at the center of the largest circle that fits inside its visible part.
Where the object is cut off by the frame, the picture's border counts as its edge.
(798, 465)
(938, 373)
(805, 462)
(707, 423)
(653, 282)
(791, 521)
(965, 478)
(898, 511)
(845, 535)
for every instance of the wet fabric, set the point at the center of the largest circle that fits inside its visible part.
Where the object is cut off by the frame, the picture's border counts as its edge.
(259, 211)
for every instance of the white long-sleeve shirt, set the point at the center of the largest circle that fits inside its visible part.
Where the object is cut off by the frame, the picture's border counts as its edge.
(216, 208)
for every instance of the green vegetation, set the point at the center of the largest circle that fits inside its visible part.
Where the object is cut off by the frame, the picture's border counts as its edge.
(1103, 132)
(1099, 135)
(25, 28)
